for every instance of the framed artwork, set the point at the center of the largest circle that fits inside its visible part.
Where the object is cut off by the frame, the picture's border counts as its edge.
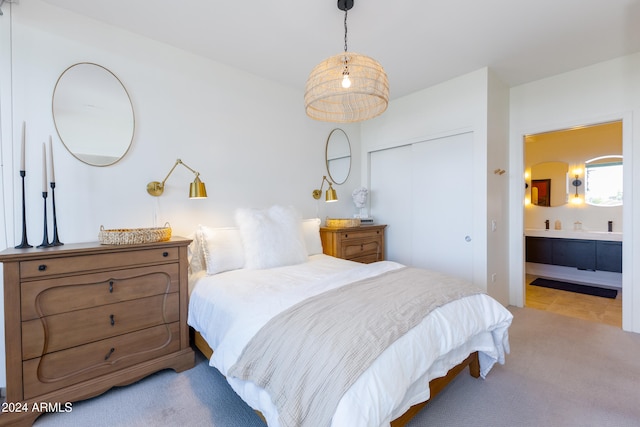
(541, 192)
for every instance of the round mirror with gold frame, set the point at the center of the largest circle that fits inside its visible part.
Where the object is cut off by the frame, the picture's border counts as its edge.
(338, 156)
(93, 114)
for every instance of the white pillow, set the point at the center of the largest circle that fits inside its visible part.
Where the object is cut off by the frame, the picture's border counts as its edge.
(195, 255)
(271, 237)
(221, 248)
(311, 232)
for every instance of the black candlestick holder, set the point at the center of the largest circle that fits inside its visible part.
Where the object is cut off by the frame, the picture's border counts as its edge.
(55, 241)
(25, 244)
(45, 238)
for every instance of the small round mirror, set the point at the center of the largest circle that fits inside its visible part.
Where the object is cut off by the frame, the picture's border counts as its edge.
(93, 115)
(338, 156)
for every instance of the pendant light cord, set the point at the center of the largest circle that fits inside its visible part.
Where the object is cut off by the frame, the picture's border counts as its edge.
(345, 30)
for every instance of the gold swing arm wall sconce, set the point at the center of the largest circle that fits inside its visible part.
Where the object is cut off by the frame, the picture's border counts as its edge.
(330, 196)
(197, 190)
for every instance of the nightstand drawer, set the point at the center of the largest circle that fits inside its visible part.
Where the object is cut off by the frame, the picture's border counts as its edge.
(64, 368)
(360, 234)
(66, 330)
(360, 248)
(366, 259)
(81, 263)
(53, 296)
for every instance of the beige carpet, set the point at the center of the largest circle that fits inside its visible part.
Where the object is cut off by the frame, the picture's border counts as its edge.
(561, 372)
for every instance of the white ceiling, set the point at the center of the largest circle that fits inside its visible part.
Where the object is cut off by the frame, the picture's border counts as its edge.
(419, 42)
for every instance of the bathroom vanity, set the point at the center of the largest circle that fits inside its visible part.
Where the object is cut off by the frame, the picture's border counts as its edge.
(588, 252)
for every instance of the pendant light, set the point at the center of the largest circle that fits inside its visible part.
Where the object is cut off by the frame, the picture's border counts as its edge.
(348, 87)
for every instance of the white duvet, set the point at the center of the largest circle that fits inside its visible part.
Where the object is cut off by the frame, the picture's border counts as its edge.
(229, 308)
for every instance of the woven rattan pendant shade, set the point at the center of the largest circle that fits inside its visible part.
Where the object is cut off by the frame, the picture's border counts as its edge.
(325, 99)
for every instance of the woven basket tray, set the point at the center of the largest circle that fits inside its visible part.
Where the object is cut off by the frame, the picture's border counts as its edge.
(132, 236)
(342, 222)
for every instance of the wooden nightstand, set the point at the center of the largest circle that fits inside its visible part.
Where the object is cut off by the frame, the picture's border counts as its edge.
(362, 244)
(82, 318)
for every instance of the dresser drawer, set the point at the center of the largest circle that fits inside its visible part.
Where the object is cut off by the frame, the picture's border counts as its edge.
(66, 330)
(81, 263)
(52, 296)
(354, 248)
(64, 368)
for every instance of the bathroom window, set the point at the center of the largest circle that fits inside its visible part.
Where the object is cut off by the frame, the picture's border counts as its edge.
(603, 176)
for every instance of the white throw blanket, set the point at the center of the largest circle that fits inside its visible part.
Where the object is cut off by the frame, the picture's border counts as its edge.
(308, 356)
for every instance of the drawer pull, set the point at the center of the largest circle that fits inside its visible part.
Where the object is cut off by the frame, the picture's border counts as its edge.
(110, 353)
(42, 267)
(165, 254)
(111, 287)
(113, 320)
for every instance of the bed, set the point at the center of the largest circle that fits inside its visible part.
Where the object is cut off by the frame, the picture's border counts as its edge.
(248, 282)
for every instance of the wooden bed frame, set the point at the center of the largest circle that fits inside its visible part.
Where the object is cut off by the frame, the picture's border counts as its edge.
(436, 385)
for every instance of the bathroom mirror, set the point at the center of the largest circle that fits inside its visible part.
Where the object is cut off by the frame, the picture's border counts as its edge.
(603, 181)
(549, 184)
(338, 156)
(93, 114)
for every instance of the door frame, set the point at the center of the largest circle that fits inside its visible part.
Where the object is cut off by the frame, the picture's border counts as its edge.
(516, 210)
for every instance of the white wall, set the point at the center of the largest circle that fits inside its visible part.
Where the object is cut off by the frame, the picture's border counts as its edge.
(249, 138)
(599, 93)
(497, 181)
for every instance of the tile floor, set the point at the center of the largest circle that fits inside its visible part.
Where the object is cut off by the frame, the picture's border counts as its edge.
(597, 309)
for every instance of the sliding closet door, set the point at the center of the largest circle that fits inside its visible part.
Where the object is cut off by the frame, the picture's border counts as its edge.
(423, 191)
(442, 202)
(391, 200)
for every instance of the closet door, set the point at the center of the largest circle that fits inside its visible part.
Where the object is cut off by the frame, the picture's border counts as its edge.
(391, 200)
(423, 191)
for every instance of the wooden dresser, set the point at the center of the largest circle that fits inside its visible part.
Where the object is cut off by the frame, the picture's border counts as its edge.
(362, 244)
(82, 318)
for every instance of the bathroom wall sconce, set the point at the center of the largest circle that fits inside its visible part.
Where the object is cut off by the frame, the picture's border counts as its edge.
(576, 183)
(330, 196)
(197, 190)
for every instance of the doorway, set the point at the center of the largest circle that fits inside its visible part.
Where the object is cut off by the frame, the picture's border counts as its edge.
(561, 158)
